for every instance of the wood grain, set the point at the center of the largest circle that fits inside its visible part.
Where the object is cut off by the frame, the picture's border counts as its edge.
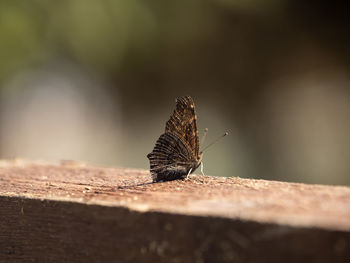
(71, 212)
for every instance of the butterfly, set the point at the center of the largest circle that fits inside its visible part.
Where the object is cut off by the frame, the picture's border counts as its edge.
(176, 153)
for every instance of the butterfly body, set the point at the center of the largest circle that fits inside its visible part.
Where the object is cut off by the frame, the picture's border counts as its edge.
(176, 153)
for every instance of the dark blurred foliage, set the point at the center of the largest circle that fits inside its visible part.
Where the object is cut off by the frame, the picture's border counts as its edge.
(96, 80)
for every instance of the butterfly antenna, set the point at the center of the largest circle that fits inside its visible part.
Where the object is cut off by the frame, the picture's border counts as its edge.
(222, 136)
(204, 135)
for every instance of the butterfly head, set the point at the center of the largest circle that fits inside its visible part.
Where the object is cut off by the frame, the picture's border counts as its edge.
(200, 156)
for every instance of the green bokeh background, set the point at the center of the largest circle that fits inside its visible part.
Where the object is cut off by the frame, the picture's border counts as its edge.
(96, 81)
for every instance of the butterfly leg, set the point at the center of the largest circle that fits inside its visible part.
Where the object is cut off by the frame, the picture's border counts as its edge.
(202, 166)
(188, 173)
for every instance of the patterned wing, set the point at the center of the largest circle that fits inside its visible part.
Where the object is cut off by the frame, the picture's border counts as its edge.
(170, 159)
(183, 122)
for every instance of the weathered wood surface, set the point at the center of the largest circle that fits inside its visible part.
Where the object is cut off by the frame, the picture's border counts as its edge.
(70, 212)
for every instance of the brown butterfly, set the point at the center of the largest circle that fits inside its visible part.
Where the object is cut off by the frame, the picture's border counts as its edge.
(176, 153)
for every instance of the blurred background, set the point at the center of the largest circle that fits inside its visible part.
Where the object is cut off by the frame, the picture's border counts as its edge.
(96, 81)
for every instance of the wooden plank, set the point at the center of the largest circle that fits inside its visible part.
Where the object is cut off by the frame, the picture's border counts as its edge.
(78, 213)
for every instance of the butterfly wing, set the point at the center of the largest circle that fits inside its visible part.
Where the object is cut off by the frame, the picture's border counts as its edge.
(171, 158)
(183, 122)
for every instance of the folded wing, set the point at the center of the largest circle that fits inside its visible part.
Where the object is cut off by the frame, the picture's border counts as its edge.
(171, 158)
(183, 122)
